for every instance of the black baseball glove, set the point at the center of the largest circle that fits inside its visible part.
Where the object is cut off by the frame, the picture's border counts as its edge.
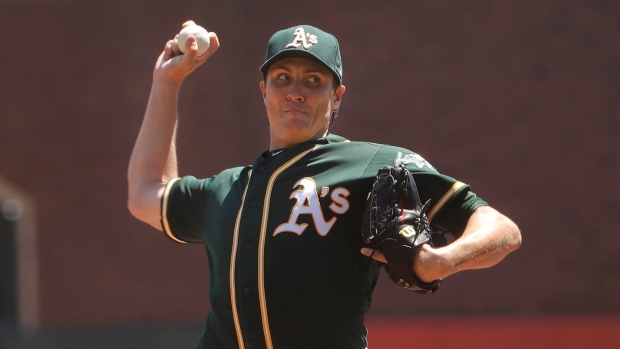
(395, 223)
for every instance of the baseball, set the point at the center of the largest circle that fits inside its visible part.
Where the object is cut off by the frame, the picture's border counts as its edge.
(201, 34)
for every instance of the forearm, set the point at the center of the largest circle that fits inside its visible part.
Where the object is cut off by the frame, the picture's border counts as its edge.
(153, 160)
(154, 154)
(488, 238)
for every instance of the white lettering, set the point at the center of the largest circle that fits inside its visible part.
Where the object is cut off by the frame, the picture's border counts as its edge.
(301, 38)
(307, 203)
(340, 204)
(412, 159)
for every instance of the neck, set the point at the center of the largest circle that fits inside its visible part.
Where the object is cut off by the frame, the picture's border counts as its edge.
(285, 143)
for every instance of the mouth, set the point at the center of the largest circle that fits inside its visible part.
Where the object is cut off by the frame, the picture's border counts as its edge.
(294, 111)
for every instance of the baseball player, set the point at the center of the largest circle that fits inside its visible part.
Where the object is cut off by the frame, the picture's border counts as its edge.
(288, 265)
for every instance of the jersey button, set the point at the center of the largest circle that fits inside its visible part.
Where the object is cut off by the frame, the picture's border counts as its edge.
(247, 246)
(253, 203)
(246, 290)
(252, 335)
(261, 169)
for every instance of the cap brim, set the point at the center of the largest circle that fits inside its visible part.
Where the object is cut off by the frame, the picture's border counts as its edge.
(295, 53)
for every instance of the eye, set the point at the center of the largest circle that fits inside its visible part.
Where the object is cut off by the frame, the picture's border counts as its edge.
(314, 79)
(282, 76)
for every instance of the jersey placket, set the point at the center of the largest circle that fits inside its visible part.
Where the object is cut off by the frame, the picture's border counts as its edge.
(233, 260)
(241, 298)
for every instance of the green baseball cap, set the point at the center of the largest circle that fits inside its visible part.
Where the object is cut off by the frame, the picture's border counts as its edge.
(308, 42)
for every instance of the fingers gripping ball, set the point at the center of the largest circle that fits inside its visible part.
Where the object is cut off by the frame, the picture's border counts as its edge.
(201, 35)
(395, 222)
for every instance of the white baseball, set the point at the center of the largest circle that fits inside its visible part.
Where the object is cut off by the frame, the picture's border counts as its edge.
(201, 34)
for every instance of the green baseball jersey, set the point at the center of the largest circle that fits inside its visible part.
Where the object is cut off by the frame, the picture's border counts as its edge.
(283, 240)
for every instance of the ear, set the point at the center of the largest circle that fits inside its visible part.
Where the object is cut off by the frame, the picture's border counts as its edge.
(338, 97)
(263, 90)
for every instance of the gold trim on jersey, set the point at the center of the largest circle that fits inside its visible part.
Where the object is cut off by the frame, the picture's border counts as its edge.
(261, 248)
(233, 258)
(164, 211)
(447, 196)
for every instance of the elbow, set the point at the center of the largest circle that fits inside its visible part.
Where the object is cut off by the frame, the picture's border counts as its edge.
(133, 205)
(136, 203)
(132, 196)
(512, 235)
(143, 202)
(507, 234)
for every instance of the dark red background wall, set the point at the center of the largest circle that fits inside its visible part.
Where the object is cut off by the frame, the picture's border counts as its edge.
(518, 99)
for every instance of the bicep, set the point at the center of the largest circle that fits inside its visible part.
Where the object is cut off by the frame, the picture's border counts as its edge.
(493, 228)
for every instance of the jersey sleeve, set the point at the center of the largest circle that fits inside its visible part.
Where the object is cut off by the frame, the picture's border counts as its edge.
(182, 209)
(451, 201)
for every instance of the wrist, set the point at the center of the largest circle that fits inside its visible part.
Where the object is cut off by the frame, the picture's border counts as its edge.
(430, 264)
(165, 90)
(166, 81)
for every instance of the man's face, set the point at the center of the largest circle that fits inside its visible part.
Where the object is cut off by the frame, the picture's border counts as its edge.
(299, 96)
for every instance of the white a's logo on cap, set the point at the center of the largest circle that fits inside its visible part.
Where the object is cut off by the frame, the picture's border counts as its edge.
(301, 38)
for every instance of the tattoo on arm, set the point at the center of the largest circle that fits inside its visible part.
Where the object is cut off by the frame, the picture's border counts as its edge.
(501, 243)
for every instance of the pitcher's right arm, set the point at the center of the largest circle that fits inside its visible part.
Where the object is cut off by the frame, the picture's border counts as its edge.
(153, 161)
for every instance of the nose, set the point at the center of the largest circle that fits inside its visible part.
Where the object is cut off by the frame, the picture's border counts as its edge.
(295, 94)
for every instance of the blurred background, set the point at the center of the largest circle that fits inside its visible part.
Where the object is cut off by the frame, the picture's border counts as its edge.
(520, 99)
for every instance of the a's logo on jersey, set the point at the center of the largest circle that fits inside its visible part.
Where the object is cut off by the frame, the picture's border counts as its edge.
(307, 202)
(412, 159)
(303, 38)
